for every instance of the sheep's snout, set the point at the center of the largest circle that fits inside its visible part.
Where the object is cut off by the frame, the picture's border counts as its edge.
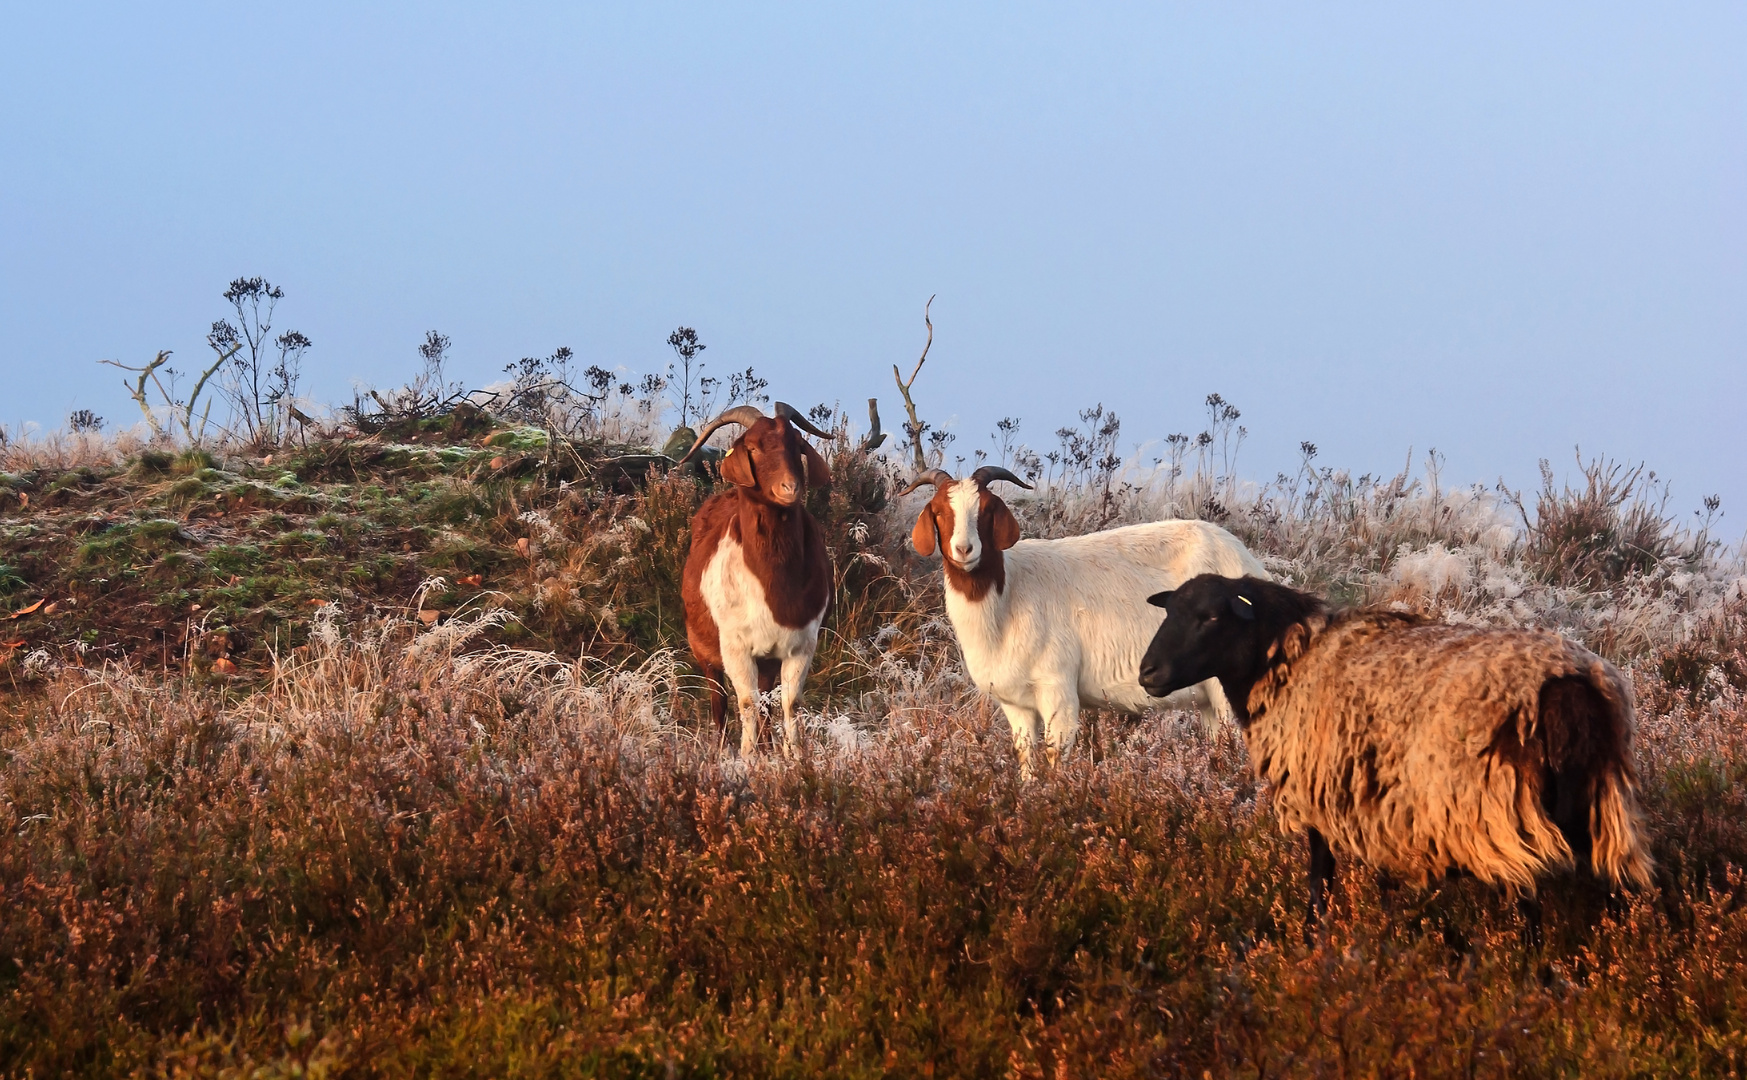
(1155, 677)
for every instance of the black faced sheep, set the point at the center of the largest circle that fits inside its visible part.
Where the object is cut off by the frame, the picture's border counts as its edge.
(1419, 748)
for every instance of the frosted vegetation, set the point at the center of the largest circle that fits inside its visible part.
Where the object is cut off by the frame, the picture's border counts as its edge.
(414, 845)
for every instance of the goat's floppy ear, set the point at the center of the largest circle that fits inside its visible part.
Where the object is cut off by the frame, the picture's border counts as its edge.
(922, 536)
(1242, 608)
(737, 466)
(1005, 526)
(1160, 599)
(818, 473)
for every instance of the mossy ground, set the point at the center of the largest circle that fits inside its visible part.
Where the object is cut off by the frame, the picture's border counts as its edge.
(196, 562)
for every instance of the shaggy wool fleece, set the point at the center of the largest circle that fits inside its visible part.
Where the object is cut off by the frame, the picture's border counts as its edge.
(1400, 740)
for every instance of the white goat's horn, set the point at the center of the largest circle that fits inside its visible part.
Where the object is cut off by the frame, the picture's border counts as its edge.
(994, 472)
(937, 477)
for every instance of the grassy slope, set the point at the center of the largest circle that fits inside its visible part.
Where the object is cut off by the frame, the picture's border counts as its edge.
(411, 854)
(180, 563)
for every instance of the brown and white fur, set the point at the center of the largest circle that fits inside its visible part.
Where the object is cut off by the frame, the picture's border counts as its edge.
(758, 580)
(1048, 627)
(1419, 748)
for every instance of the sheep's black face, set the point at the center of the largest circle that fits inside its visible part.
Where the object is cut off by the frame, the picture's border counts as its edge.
(1210, 632)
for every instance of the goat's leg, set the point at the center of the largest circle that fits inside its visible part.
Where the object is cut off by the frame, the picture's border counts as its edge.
(1027, 725)
(742, 671)
(1322, 877)
(794, 678)
(714, 680)
(1061, 719)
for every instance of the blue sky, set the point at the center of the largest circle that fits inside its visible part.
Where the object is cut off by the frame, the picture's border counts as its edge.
(1496, 229)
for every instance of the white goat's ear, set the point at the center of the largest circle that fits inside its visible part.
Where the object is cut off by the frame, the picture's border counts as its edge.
(1160, 599)
(1004, 525)
(1242, 608)
(922, 536)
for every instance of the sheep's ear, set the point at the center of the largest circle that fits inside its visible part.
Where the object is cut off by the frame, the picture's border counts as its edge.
(922, 536)
(1005, 525)
(1242, 608)
(1160, 599)
(818, 473)
(737, 466)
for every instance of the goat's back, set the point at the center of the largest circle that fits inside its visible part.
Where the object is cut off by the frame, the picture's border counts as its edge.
(1085, 596)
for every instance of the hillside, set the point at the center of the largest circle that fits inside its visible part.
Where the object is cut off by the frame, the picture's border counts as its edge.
(380, 757)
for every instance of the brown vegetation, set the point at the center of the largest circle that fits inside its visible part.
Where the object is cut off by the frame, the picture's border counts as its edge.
(495, 842)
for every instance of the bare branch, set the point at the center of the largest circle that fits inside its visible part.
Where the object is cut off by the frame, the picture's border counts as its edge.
(915, 427)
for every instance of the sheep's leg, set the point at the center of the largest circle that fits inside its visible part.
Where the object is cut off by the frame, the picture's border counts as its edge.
(1322, 877)
(1215, 710)
(794, 677)
(1061, 720)
(1027, 725)
(1530, 908)
(742, 672)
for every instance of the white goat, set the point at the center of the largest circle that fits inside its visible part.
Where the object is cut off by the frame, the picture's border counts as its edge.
(1050, 626)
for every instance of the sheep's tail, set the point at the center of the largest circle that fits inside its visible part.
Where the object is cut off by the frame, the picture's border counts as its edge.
(1616, 832)
(1591, 784)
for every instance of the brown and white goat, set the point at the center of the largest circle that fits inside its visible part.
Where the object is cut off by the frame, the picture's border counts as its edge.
(758, 579)
(1049, 626)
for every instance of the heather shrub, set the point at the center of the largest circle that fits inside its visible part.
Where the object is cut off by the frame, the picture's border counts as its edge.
(405, 858)
(456, 811)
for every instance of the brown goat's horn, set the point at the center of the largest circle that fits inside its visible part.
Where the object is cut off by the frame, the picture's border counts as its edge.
(744, 415)
(994, 472)
(937, 477)
(793, 415)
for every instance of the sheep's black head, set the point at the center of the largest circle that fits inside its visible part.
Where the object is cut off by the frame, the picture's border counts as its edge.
(1220, 628)
(770, 459)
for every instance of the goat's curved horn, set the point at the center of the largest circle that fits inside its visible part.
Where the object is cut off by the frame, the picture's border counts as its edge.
(994, 472)
(744, 415)
(937, 477)
(794, 416)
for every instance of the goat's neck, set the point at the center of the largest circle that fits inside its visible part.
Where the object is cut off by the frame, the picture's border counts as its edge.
(781, 530)
(987, 584)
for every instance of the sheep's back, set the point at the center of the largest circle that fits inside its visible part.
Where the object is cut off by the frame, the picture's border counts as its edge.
(1391, 736)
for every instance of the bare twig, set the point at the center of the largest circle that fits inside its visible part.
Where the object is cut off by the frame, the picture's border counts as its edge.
(182, 411)
(138, 390)
(875, 437)
(915, 426)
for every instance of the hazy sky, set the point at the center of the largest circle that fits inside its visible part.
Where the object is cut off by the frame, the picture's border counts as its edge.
(1499, 230)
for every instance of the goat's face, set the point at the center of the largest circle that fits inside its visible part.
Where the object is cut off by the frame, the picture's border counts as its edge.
(773, 460)
(1210, 630)
(965, 519)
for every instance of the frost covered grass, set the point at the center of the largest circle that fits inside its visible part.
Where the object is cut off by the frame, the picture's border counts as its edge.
(407, 858)
(483, 830)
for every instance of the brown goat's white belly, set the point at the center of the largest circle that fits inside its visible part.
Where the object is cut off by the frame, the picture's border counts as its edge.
(744, 621)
